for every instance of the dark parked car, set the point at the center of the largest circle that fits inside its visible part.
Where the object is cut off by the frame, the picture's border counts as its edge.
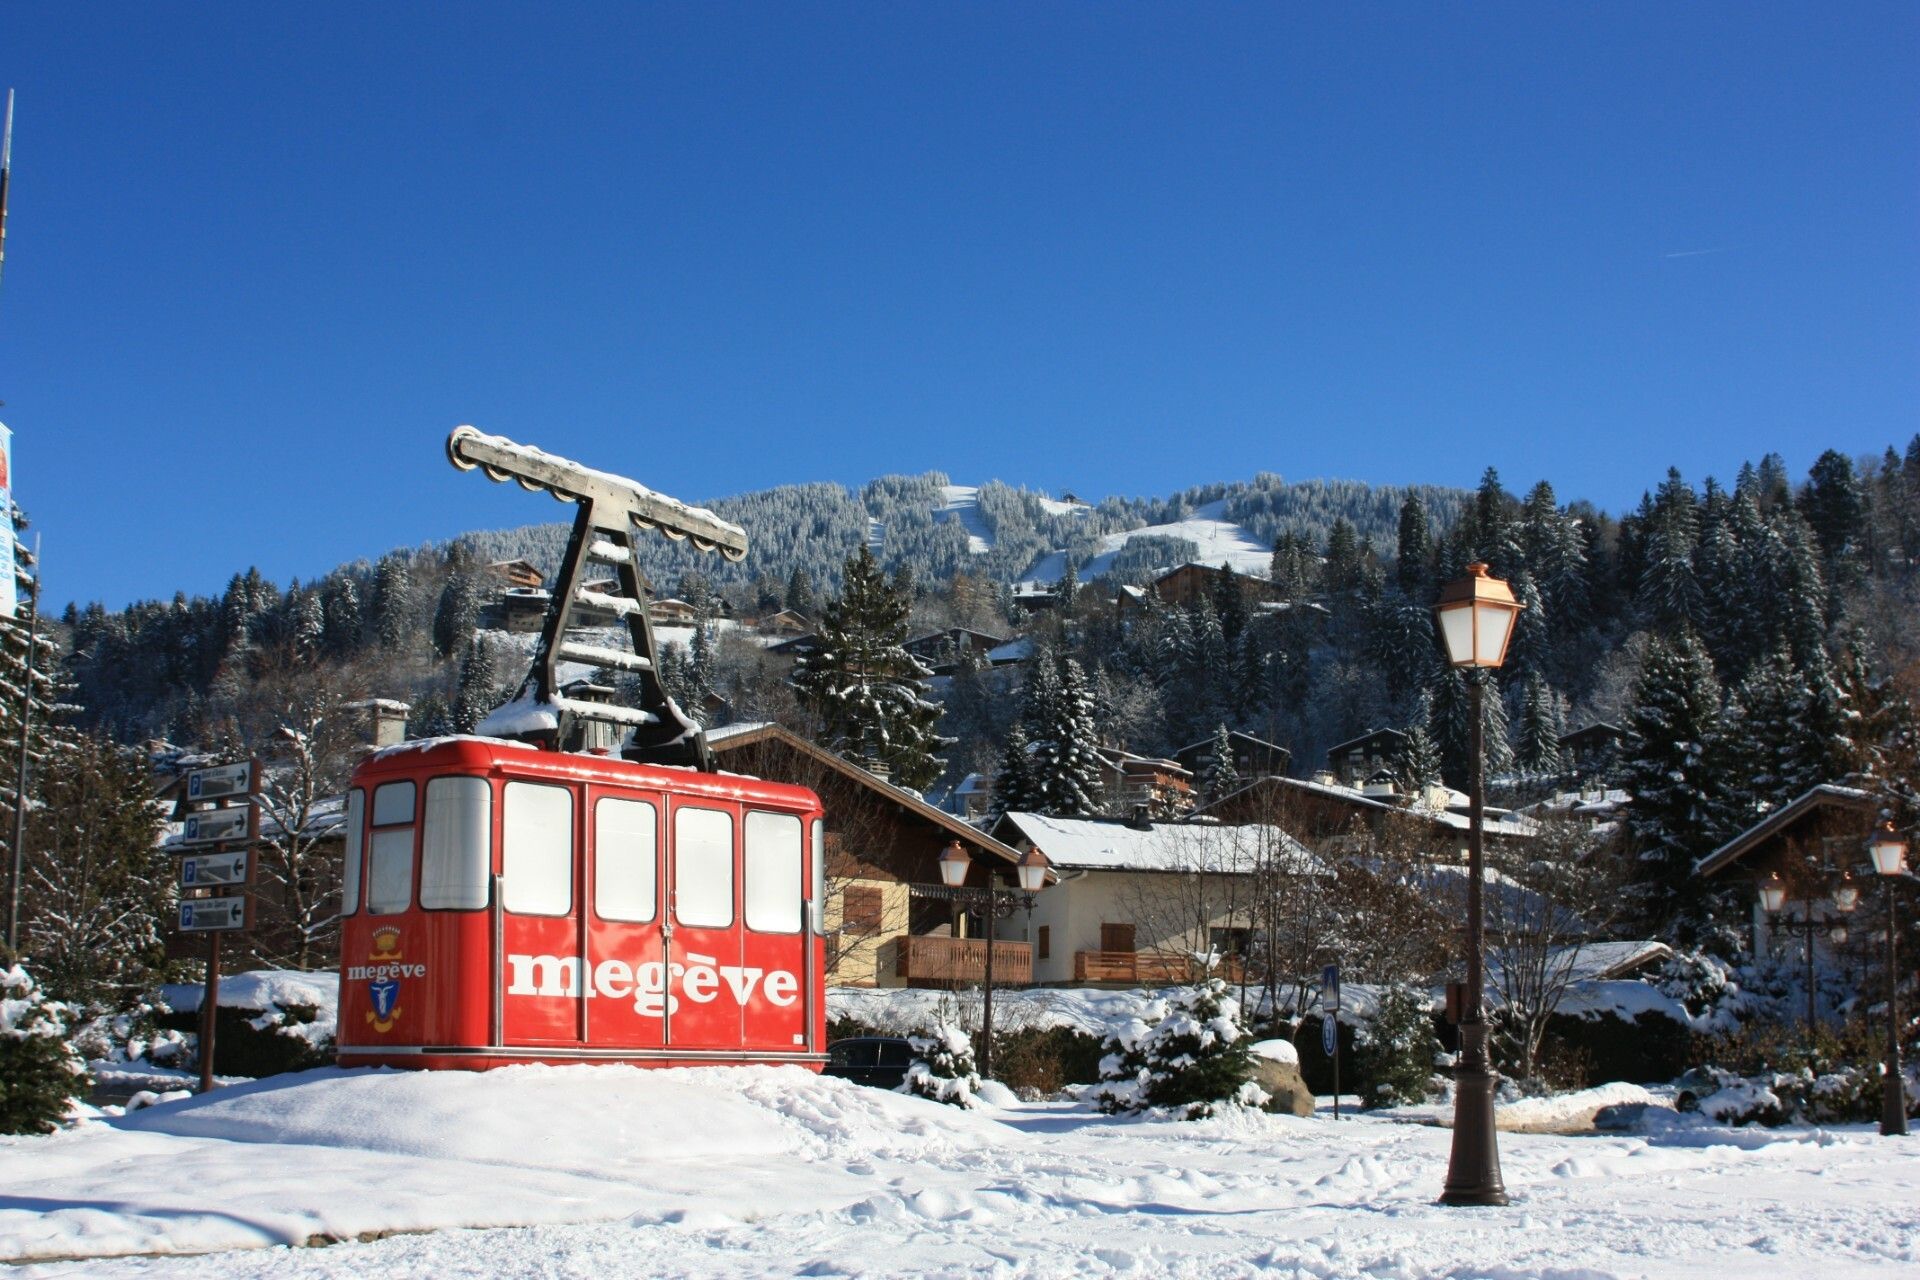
(881, 1061)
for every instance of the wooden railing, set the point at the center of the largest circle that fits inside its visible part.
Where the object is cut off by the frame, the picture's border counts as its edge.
(939, 960)
(1149, 968)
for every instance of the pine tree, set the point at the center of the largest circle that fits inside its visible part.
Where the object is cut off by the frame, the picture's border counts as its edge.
(800, 597)
(867, 691)
(1670, 595)
(1537, 736)
(392, 603)
(1194, 1058)
(41, 1077)
(1420, 757)
(453, 617)
(1495, 531)
(341, 598)
(478, 693)
(942, 1068)
(1413, 559)
(1835, 507)
(1342, 570)
(1668, 766)
(1013, 788)
(1221, 777)
(309, 627)
(1065, 764)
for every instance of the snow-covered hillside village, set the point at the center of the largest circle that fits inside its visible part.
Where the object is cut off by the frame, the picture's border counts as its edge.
(1012, 641)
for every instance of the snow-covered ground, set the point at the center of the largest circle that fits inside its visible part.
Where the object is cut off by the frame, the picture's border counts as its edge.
(1218, 540)
(963, 504)
(611, 1171)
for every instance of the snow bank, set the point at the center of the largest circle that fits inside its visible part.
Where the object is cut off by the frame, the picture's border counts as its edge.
(262, 989)
(1275, 1051)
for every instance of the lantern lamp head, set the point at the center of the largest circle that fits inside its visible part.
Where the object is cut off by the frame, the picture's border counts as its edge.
(1846, 895)
(1476, 616)
(1032, 870)
(1773, 893)
(1889, 852)
(953, 865)
(1838, 935)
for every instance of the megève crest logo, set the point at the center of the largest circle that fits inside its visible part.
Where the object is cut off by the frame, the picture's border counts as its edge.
(384, 972)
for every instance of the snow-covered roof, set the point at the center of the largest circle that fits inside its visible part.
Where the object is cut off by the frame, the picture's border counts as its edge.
(1496, 825)
(1744, 843)
(1012, 651)
(1090, 844)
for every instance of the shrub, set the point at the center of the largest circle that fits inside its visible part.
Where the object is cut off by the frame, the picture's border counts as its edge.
(1037, 1062)
(943, 1068)
(40, 1074)
(1192, 1059)
(1644, 1049)
(255, 1043)
(1394, 1053)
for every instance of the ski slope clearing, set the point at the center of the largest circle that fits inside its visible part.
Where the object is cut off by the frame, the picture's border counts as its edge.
(1218, 541)
(963, 504)
(608, 1171)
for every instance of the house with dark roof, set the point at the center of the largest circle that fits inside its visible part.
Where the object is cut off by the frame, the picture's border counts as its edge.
(1357, 759)
(883, 847)
(1806, 842)
(1252, 757)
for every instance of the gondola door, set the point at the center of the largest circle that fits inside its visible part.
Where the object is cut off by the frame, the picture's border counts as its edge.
(626, 951)
(704, 971)
(541, 916)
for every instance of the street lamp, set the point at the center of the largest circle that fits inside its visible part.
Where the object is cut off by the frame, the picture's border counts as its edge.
(1889, 853)
(993, 904)
(1844, 897)
(1476, 615)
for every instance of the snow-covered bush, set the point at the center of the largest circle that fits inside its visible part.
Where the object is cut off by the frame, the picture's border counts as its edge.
(1709, 989)
(942, 1067)
(1395, 1051)
(135, 1034)
(1188, 1054)
(40, 1074)
(1848, 1095)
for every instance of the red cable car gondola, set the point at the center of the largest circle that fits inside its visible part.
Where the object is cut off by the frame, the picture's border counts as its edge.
(528, 896)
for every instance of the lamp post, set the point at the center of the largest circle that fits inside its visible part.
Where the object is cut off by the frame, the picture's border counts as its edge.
(1844, 898)
(1889, 854)
(993, 904)
(1476, 616)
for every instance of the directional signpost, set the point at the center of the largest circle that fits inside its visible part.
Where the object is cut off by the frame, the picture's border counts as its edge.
(1330, 1025)
(216, 874)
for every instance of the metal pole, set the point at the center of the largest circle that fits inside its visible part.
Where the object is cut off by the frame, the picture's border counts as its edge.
(1806, 929)
(20, 768)
(1893, 1094)
(986, 1012)
(209, 1008)
(1473, 1171)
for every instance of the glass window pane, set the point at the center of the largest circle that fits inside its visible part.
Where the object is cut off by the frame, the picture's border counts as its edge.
(536, 849)
(350, 872)
(393, 803)
(455, 844)
(703, 868)
(774, 885)
(817, 895)
(625, 858)
(390, 871)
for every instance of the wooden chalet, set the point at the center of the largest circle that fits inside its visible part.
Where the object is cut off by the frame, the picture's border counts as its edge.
(882, 841)
(944, 650)
(1190, 583)
(669, 612)
(1826, 827)
(1252, 757)
(1135, 782)
(516, 573)
(1593, 748)
(1317, 811)
(1357, 759)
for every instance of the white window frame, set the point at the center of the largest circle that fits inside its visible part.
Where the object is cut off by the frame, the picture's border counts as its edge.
(528, 848)
(456, 843)
(703, 896)
(615, 876)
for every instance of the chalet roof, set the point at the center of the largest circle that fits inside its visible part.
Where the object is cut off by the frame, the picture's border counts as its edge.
(1234, 735)
(1365, 738)
(734, 736)
(1496, 825)
(1093, 844)
(1822, 796)
(947, 633)
(1599, 728)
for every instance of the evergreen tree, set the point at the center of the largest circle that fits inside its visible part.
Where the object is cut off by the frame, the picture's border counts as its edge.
(341, 598)
(1668, 766)
(1772, 751)
(1396, 1050)
(1495, 531)
(393, 603)
(41, 1077)
(1065, 765)
(1670, 596)
(1342, 571)
(1013, 787)
(1194, 1058)
(454, 616)
(1221, 777)
(867, 691)
(1542, 724)
(478, 693)
(1420, 757)
(943, 1068)
(309, 627)
(1835, 507)
(800, 597)
(1413, 560)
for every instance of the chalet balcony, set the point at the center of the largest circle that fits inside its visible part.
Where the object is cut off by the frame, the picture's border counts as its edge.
(1148, 968)
(934, 961)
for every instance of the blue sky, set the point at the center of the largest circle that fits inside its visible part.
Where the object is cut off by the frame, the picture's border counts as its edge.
(262, 258)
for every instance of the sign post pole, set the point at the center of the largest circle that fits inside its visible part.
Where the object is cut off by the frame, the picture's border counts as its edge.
(1330, 1027)
(222, 828)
